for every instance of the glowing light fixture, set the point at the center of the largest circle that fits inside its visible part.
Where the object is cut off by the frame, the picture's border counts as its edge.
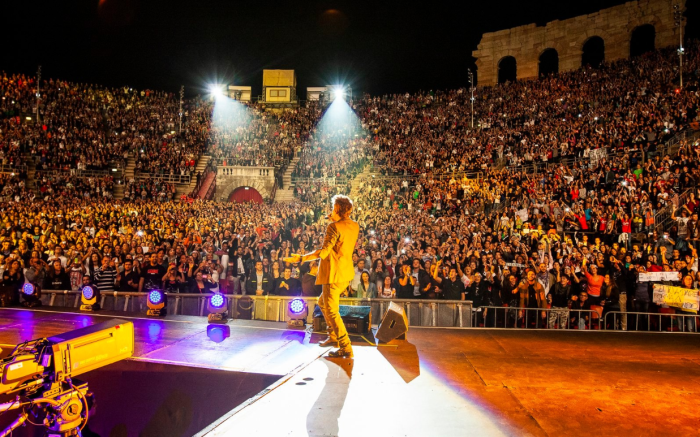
(155, 303)
(297, 312)
(88, 298)
(216, 90)
(338, 92)
(218, 309)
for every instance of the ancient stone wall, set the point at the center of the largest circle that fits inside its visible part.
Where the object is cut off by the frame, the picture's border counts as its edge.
(614, 25)
(232, 177)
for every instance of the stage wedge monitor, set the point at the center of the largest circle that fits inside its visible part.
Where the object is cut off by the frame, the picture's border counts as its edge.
(394, 324)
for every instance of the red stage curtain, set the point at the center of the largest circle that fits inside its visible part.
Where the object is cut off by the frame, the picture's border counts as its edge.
(245, 194)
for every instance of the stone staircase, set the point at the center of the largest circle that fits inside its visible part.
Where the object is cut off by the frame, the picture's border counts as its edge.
(366, 174)
(126, 177)
(31, 173)
(181, 189)
(286, 194)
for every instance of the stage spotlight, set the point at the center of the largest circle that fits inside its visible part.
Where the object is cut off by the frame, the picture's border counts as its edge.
(338, 92)
(155, 303)
(31, 295)
(216, 91)
(297, 312)
(88, 298)
(218, 309)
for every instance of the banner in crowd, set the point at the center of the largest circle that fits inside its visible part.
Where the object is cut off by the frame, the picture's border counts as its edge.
(677, 297)
(658, 276)
(597, 155)
(522, 214)
(515, 265)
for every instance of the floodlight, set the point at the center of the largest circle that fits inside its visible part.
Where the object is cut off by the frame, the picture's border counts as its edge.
(297, 312)
(31, 295)
(88, 298)
(156, 303)
(338, 92)
(218, 309)
(216, 91)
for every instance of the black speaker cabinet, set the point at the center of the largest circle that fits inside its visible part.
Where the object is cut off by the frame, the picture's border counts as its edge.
(394, 324)
(357, 319)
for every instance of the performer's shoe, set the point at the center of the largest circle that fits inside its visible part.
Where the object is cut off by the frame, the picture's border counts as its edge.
(329, 342)
(341, 353)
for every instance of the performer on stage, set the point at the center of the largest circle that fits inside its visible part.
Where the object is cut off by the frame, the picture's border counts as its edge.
(335, 272)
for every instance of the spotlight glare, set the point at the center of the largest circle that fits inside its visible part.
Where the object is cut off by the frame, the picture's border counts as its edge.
(338, 92)
(216, 91)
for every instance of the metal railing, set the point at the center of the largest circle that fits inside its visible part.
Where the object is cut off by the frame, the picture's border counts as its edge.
(419, 312)
(531, 318)
(662, 218)
(169, 178)
(672, 146)
(655, 322)
(12, 169)
(82, 173)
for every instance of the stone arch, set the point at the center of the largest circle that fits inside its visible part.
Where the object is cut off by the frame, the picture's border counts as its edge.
(548, 62)
(245, 194)
(229, 188)
(593, 51)
(507, 69)
(642, 39)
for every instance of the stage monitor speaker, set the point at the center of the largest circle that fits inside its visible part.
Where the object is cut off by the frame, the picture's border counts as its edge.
(357, 319)
(394, 324)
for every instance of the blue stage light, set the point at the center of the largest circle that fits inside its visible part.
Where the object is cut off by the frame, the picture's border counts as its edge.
(297, 313)
(28, 289)
(296, 306)
(217, 300)
(88, 292)
(155, 297)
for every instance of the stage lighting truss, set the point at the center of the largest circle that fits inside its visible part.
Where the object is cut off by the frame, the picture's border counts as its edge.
(217, 308)
(297, 312)
(88, 298)
(155, 303)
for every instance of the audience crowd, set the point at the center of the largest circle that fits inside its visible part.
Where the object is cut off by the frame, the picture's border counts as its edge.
(452, 212)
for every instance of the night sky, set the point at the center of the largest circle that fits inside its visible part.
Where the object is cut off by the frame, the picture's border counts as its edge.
(377, 47)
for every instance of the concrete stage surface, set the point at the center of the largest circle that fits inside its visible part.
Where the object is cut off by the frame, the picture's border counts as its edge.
(440, 382)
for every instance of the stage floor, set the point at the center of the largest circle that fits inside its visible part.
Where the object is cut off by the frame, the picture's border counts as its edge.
(440, 382)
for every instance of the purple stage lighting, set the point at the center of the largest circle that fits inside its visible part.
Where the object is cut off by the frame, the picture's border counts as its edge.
(28, 289)
(155, 297)
(217, 300)
(296, 306)
(88, 292)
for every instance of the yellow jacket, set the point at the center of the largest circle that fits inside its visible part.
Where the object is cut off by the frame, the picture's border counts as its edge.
(336, 254)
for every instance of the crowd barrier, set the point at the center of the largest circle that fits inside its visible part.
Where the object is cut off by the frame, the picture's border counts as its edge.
(510, 317)
(420, 312)
(660, 322)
